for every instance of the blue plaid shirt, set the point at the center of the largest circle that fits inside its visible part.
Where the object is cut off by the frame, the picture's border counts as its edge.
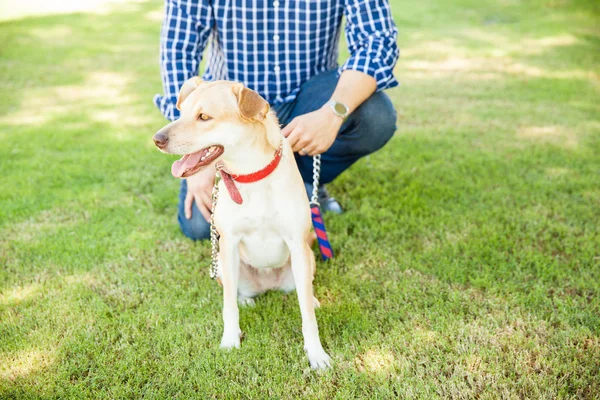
(273, 46)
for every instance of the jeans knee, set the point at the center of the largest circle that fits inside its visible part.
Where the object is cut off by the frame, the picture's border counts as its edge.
(381, 120)
(376, 122)
(388, 124)
(195, 228)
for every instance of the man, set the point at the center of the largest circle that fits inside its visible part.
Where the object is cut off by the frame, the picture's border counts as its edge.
(287, 51)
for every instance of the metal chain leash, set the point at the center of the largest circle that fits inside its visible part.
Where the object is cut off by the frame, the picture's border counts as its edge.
(316, 176)
(214, 235)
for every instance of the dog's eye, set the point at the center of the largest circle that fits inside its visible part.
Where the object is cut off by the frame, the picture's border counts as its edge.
(203, 117)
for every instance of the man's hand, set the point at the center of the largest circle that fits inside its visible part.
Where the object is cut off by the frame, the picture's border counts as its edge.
(199, 188)
(313, 133)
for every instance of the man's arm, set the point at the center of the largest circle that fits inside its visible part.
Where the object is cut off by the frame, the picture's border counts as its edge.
(185, 31)
(371, 36)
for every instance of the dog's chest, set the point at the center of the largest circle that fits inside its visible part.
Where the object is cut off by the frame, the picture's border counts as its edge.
(261, 243)
(264, 249)
(260, 224)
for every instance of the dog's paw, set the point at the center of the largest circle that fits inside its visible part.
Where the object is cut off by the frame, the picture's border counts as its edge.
(316, 302)
(318, 359)
(246, 302)
(231, 340)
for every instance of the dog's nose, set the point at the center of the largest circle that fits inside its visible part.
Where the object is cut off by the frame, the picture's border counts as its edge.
(160, 140)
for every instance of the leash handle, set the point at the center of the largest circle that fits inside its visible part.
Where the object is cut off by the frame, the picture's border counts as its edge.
(322, 238)
(315, 212)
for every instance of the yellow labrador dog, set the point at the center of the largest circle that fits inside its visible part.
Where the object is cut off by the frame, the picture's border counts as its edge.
(263, 221)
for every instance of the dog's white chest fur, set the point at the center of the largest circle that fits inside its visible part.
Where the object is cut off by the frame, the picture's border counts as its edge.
(258, 224)
(264, 248)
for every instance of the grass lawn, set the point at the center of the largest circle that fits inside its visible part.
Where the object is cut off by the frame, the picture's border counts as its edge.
(468, 261)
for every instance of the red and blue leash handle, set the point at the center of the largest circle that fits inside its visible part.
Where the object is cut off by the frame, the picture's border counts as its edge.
(315, 212)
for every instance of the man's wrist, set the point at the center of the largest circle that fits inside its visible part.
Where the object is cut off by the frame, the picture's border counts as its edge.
(338, 108)
(328, 112)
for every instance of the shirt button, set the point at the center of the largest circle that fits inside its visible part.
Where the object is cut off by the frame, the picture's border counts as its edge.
(276, 3)
(276, 38)
(277, 69)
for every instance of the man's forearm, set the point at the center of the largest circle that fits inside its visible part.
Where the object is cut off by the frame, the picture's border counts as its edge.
(353, 88)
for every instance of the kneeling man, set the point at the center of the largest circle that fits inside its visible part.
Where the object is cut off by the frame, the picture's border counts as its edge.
(287, 52)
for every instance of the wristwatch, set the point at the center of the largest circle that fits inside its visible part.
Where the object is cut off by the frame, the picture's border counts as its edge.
(339, 109)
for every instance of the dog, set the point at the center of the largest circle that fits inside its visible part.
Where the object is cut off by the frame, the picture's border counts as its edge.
(265, 225)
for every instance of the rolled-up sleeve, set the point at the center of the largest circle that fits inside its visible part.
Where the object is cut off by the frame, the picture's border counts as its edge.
(371, 36)
(186, 27)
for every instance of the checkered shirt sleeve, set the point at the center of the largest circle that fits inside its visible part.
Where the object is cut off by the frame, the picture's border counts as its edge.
(185, 31)
(371, 36)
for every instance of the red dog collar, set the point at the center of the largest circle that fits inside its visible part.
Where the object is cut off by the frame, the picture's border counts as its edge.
(230, 179)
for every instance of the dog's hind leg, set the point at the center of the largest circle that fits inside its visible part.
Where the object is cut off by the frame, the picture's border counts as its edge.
(246, 301)
(302, 269)
(230, 271)
(251, 284)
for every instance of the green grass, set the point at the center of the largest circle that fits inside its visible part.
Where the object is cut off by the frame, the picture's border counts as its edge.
(468, 262)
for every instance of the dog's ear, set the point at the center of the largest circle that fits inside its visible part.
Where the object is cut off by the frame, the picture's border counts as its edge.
(250, 103)
(188, 87)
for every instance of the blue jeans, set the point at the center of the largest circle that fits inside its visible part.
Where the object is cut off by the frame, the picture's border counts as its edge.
(365, 131)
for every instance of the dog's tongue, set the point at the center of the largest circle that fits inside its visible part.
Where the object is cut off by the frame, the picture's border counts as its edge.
(186, 162)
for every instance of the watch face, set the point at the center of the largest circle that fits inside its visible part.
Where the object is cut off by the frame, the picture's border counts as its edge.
(340, 108)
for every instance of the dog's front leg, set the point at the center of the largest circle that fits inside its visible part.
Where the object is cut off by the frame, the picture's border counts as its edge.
(230, 273)
(302, 268)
